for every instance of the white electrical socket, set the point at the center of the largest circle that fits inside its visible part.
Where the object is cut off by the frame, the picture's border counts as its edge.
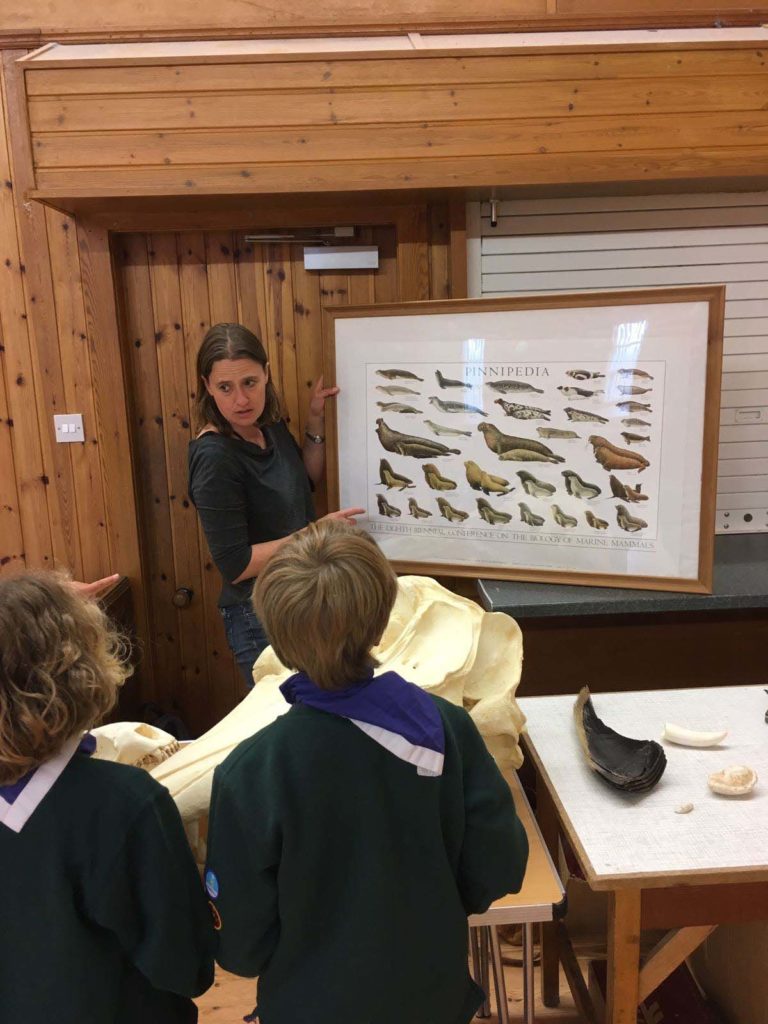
(69, 428)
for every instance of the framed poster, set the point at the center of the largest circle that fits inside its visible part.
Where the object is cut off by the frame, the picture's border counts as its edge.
(565, 438)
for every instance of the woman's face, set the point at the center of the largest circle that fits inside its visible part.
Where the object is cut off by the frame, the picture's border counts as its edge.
(238, 387)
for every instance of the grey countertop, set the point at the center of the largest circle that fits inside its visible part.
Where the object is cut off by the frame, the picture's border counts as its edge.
(740, 582)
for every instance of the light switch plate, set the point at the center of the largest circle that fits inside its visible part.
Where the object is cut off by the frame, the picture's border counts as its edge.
(69, 427)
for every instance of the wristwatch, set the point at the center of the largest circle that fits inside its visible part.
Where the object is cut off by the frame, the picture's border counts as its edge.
(315, 438)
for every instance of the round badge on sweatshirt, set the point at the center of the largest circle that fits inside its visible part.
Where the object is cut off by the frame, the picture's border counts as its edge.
(211, 884)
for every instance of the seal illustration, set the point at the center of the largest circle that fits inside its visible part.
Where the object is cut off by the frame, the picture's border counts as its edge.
(528, 517)
(479, 480)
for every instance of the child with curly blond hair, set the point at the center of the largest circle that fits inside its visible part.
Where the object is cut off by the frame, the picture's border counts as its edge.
(103, 918)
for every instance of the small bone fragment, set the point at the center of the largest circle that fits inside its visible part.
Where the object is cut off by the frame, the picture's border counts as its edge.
(734, 781)
(690, 737)
(684, 809)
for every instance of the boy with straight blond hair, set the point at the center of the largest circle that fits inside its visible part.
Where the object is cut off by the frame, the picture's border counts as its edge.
(349, 839)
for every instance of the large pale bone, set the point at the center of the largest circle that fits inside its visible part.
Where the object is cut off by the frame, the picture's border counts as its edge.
(436, 639)
(136, 743)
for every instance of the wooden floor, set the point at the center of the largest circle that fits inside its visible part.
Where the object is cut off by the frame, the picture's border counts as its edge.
(231, 998)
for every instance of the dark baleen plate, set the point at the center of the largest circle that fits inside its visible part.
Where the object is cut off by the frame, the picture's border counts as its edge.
(627, 764)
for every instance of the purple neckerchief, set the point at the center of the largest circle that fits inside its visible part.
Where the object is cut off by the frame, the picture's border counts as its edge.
(397, 714)
(13, 791)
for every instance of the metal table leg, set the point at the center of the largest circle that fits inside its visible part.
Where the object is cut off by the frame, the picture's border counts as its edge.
(484, 982)
(529, 993)
(474, 949)
(502, 1009)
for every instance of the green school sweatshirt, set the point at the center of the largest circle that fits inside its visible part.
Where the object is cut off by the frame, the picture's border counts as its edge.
(343, 879)
(103, 918)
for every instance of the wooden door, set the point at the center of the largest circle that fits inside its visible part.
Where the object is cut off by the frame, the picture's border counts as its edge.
(171, 287)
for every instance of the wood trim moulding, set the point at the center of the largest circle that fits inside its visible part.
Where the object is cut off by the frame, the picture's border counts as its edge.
(23, 41)
(217, 212)
(457, 247)
(37, 52)
(457, 43)
(242, 212)
(430, 174)
(737, 18)
(109, 388)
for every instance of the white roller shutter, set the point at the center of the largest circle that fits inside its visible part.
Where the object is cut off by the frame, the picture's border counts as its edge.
(597, 244)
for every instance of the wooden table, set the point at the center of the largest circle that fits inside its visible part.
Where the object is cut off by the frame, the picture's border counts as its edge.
(683, 872)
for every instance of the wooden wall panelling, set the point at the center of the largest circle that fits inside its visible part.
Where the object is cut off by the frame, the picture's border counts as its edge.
(674, 649)
(194, 696)
(70, 20)
(43, 337)
(710, 162)
(250, 286)
(11, 540)
(296, 108)
(280, 336)
(309, 145)
(30, 543)
(618, 8)
(161, 646)
(112, 419)
(451, 121)
(439, 251)
(459, 281)
(212, 213)
(222, 259)
(222, 286)
(62, 18)
(413, 254)
(361, 282)
(275, 74)
(362, 286)
(385, 281)
(308, 326)
(696, 167)
(224, 681)
(334, 291)
(78, 395)
(555, 95)
(193, 279)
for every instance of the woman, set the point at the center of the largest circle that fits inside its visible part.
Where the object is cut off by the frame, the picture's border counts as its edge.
(249, 480)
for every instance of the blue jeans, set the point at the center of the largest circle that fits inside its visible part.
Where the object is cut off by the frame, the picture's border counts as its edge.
(245, 636)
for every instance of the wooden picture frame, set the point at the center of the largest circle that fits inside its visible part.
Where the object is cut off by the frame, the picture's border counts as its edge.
(556, 438)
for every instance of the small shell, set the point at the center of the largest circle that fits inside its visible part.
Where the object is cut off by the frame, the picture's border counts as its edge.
(734, 781)
(684, 809)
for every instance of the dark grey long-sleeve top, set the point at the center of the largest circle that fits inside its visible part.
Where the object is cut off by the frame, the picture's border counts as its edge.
(247, 495)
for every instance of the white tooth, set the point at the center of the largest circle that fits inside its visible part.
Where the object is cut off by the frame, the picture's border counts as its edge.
(684, 809)
(690, 738)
